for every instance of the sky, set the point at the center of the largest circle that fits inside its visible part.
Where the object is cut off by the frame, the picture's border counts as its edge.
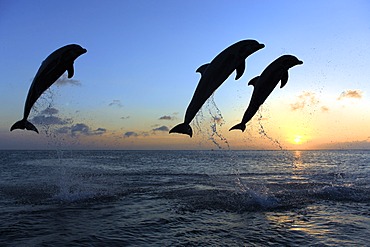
(138, 76)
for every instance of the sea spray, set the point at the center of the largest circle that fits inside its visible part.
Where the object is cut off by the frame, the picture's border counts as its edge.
(69, 186)
(263, 133)
(210, 126)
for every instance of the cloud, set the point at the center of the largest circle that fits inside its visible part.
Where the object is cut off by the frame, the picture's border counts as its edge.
(130, 134)
(169, 117)
(305, 99)
(46, 117)
(354, 94)
(127, 117)
(162, 128)
(101, 130)
(50, 120)
(64, 80)
(144, 133)
(116, 102)
(324, 109)
(81, 129)
(49, 111)
(63, 130)
(166, 118)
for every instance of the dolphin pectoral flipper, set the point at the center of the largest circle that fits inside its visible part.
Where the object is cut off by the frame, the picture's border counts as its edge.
(253, 81)
(182, 128)
(24, 124)
(71, 71)
(202, 68)
(284, 79)
(240, 70)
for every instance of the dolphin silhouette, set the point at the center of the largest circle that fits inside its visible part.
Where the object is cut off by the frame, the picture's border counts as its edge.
(265, 83)
(50, 70)
(213, 75)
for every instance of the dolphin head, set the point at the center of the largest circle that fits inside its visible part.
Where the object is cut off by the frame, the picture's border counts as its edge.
(248, 47)
(288, 61)
(73, 51)
(77, 50)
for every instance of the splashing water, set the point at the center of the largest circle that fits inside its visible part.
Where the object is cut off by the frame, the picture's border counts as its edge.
(54, 131)
(215, 122)
(263, 132)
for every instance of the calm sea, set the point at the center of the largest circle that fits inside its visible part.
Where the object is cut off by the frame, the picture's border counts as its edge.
(185, 198)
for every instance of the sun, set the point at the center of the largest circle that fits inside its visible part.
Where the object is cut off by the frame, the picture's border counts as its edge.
(298, 139)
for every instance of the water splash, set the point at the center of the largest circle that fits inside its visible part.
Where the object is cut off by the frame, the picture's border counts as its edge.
(214, 123)
(263, 132)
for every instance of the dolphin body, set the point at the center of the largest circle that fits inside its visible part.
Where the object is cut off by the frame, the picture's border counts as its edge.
(50, 70)
(265, 83)
(213, 75)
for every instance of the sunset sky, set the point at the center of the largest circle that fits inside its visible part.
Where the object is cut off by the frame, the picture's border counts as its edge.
(138, 76)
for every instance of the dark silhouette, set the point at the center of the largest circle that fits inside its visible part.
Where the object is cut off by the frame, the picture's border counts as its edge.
(214, 74)
(265, 83)
(50, 70)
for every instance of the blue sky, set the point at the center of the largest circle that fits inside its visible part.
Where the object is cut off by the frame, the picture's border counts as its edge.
(141, 62)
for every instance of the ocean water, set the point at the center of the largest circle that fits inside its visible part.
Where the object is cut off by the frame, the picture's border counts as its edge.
(185, 198)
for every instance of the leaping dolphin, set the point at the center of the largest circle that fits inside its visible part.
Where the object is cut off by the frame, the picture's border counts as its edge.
(50, 70)
(265, 83)
(213, 75)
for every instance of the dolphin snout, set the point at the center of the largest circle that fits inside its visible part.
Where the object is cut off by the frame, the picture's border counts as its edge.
(260, 46)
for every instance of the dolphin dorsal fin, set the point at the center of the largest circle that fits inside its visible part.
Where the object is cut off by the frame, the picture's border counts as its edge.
(202, 68)
(253, 81)
(240, 70)
(71, 71)
(284, 79)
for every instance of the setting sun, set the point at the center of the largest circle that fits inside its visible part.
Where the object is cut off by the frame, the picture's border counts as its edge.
(298, 139)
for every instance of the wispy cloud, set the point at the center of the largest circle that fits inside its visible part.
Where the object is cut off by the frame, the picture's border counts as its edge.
(64, 80)
(354, 94)
(169, 117)
(50, 120)
(129, 134)
(81, 129)
(47, 117)
(63, 130)
(305, 99)
(116, 102)
(324, 109)
(49, 111)
(162, 128)
(165, 117)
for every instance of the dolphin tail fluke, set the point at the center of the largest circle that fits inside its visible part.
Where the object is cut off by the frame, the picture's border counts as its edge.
(24, 124)
(182, 128)
(240, 126)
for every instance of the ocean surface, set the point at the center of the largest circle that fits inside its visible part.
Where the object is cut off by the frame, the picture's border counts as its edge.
(185, 198)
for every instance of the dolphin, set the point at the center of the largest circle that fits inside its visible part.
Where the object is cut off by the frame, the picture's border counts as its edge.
(213, 75)
(50, 70)
(265, 83)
